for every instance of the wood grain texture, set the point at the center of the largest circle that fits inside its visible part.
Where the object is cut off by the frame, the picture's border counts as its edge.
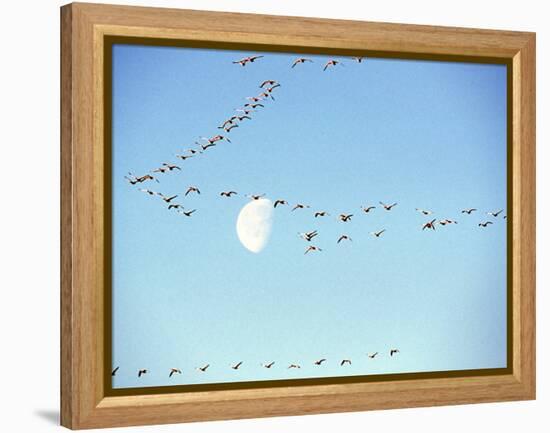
(84, 26)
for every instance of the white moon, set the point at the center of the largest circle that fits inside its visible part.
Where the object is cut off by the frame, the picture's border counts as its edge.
(254, 224)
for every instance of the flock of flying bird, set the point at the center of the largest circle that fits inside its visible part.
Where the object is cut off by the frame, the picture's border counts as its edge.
(202, 369)
(244, 114)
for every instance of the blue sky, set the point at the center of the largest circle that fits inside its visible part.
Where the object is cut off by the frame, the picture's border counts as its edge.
(186, 292)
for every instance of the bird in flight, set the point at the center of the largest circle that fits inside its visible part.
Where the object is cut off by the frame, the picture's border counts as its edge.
(358, 59)
(175, 206)
(367, 209)
(237, 365)
(429, 225)
(206, 146)
(495, 214)
(393, 352)
(321, 214)
(312, 248)
(469, 210)
(294, 366)
(484, 224)
(345, 217)
(319, 361)
(245, 111)
(378, 234)
(345, 361)
(148, 191)
(184, 157)
(241, 118)
(228, 193)
(245, 60)
(174, 371)
(424, 212)
(278, 202)
(299, 206)
(192, 189)
(171, 166)
(388, 206)
(187, 213)
(230, 127)
(256, 98)
(268, 83)
(142, 372)
(447, 221)
(300, 61)
(372, 355)
(203, 368)
(332, 62)
(254, 105)
(168, 199)
(113, 373)
(343, 238)
(269, 365)
(160, 170)
(255, 196)
(308, 236)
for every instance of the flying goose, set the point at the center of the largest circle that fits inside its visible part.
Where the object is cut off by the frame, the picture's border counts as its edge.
(358, 59)
(308, 236)
(372, 355)
(187, 213)
(268, 365)
(484, 224)
(388, 206)
(203, 368)
(168, 199)
(192, 189)
(255, 196)
(424, 212)
(113, 373)
(447, 221)
(319, 361)
(300, 61)
(312, 248)
(393, 352)
(343, 238)
(254, 105)
(345, 217)
(171, 166)
(332, 62)
(174, 371)
(378, 234)
(237, 365)
(345, 361)
(148, 191)
(142, 372)
(299, 206)
(429, 225)
(227, 193)
(184, 157)
(246, 60)
(367, 209)
(294, 366)
(175, 206)
(469, 210)
(278, 202)
(495, 214)
(268, 83)
(321, 214)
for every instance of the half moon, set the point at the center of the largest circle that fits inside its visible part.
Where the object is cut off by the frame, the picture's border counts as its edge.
(254, 224)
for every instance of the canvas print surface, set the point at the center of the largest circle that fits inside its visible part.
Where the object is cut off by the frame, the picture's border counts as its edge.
(285, 216)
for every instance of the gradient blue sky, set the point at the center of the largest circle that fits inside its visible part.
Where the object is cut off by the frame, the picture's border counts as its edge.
(186, 292)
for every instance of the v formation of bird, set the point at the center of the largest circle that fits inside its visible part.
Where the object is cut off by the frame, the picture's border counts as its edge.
(245, 114)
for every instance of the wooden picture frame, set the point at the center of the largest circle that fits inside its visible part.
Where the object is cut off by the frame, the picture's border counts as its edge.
(84, 372)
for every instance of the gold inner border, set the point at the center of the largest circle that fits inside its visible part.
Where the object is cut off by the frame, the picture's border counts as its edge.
(109, 391)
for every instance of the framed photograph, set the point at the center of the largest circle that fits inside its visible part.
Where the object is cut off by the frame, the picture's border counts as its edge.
(265, 215)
